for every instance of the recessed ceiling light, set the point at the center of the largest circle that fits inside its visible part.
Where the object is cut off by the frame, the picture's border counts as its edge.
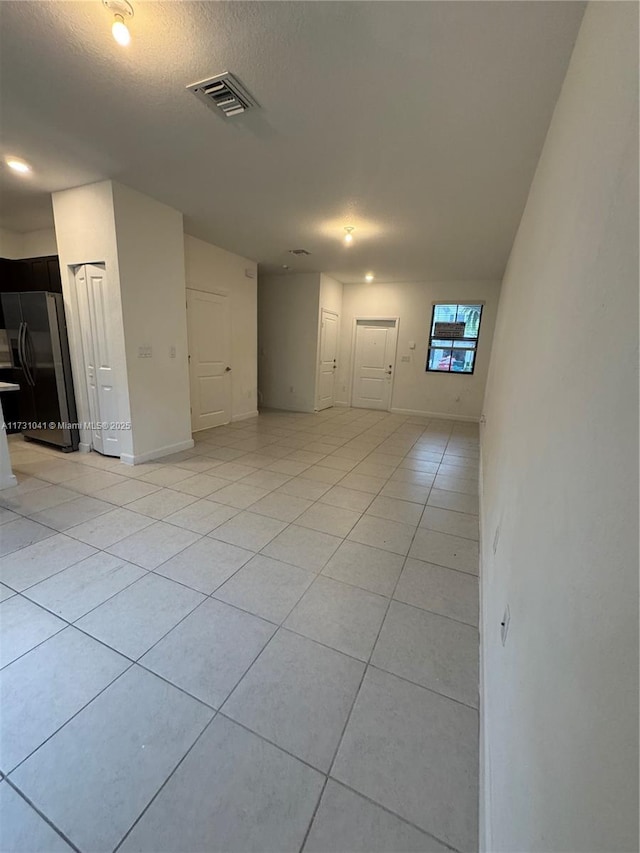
(368, 276)
(17, 165)
(348, 237)
(120, 9)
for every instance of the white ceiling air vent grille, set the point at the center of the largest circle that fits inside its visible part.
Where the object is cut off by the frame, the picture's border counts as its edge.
(224, 94)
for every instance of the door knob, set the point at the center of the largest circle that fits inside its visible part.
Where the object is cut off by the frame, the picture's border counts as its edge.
(227, 370)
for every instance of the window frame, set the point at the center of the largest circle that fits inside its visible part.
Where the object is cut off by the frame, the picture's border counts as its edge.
(474, 349)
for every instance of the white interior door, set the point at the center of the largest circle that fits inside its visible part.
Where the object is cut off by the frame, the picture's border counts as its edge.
(374, 362)
(328, 357)
(95, 313)
(209, 328)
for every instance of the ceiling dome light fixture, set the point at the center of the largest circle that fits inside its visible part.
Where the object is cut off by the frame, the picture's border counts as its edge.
(348, 237)
(369, 277)
(121, 9)
(17, 165)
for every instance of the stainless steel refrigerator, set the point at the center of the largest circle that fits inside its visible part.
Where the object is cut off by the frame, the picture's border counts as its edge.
(37, 333)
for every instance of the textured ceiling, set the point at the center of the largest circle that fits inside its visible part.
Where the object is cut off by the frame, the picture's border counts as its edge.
(418, 123)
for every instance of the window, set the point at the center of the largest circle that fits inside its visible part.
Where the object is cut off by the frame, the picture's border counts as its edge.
(453, 339)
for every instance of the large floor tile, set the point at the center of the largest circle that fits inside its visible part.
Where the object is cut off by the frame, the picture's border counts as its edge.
(85, 585)
(234, 793)
(350, 499)
(161, 502)
(205, 565)
(321, 474)
(416, 753)
(380, 533)
(347, 823)
(203, 516)
(393, 509)
(369, 568)
(449, 521)
(404, 491)
(92, 481)
(110, 527)
(266, 479)
(281, 506)
(298, 694)
(346, 618)
(22, 830)
(301, 488)
(438, 653)
(249, 530)
(209, 651)
(71, 513)
(441, 590)
(153, 545)
(329, 519)
(454, 552)
(125, 493)
(136, 618)
(308, 549)
(266, 587)
(40, 499)
(47, 686)
(456, 483)
(113, 757)
(5, 592)
(165, 475)
(26, 567)
(200, 485)
(454, 500)
(363, 483)
(23, 626)
(20, 533)
(234, 471)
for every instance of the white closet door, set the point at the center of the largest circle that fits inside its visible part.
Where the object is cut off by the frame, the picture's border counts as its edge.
(95, 310)
(209, 327)
(328, 358)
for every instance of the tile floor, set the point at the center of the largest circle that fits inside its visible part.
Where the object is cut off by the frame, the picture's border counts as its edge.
(267, 643)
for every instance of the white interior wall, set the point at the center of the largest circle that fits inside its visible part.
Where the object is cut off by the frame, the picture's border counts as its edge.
(150, 241)
(30, 244)
(414, 390)
(86, 233)
(215, 270)
(560, 477)
(288, 340)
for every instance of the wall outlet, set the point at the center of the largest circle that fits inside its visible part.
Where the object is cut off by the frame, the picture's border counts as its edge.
(172, 352)
(144, 351)
(406, 358)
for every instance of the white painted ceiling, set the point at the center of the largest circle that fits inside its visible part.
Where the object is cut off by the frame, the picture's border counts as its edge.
(418, 123)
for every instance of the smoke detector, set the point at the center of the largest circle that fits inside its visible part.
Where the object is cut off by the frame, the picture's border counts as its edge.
(224, 94)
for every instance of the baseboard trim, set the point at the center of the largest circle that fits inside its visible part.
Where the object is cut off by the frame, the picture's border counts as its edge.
(8, 482)
(84, 447)
(149, 456)
(244, 417)
(445, 416)
(340, 404)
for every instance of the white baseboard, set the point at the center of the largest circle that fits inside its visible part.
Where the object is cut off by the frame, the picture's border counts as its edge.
(158, 453)
(244, 417)
(446, 416)
(341, 403)
(84, 447)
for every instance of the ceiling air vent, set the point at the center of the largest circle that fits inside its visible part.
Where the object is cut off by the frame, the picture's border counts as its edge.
(299, 252)
(224, 94)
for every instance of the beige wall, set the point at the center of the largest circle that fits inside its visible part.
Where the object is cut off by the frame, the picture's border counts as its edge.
(215, 270)
(416, 391)
(30, 244)
(150, 243)
(560, 477)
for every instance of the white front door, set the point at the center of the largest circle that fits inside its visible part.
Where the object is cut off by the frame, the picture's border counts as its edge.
(209, 328)
(374, 363)
(328, 355)
(96, 307)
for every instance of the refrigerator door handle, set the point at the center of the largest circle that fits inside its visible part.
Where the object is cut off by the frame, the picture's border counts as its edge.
(28, 356)
(20, 353)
